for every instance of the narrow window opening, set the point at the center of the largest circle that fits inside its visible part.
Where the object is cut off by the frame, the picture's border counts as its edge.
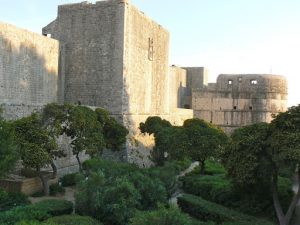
(234, 107)
(240, 79)
(250, 108)
(229, 82)
(253, 82)
(151, 49)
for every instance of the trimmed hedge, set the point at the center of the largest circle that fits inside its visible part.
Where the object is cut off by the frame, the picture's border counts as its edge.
(164, 216)
(73, 220)
(215, 188)
(209, 211)
(55, 189)
(55, 207)
(37, 212)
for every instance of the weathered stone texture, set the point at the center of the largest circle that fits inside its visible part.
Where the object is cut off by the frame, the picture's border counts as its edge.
(28, 70)
(177, 87)
(91, 37)
(146, 51)
(239, 100)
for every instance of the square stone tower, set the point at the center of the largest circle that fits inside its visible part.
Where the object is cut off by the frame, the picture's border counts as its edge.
(115, 57)
(111, 56)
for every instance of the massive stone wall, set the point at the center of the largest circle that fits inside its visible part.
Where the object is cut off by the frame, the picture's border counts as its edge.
(239, 100)
(146, 55)
(91, 60)
(177, 87)
(28, 71)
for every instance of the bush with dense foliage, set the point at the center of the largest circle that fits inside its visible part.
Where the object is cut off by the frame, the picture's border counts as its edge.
(9, 200)
(73, 220)
(55, 207)
(113, 191)
(9, 149)
(209, 211)
(165, 216)
(39, 211)
(220, 189)
(55, 189)
(69, 179)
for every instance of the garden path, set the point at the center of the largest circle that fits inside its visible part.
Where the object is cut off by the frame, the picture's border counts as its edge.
(297, 210)
(68, 195)
(179, 192)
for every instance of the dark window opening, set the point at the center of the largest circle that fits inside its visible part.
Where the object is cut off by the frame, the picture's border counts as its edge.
(186, 106)
(250, 107)
(210, 121)
(253, 82)
(234, 107)
(151, 49)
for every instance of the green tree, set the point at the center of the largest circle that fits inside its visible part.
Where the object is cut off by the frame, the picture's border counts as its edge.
(9, 149)
(153, 125)
(38, 146)
(114, 132)
(257, 154)
(204, 140)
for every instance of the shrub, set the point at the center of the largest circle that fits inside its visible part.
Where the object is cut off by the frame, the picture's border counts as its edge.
(163, 216)
(73, 220)
(152, 190)
(69, 180)
(9, 200)
(27, 213)
(55, 207)
(55, 189)
(166, 174)
(208, 211)
(113, 201)
(214, 188)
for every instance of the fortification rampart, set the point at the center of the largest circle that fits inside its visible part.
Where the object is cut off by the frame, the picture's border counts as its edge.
(28, 71)
(242, 99)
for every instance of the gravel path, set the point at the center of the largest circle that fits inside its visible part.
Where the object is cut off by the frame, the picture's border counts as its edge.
(179, 192)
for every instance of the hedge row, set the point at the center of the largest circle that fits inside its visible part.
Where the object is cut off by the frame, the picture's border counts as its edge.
(209, 211)
(39, 211)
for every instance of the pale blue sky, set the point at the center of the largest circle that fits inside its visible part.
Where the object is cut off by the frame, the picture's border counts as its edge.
(226, 36)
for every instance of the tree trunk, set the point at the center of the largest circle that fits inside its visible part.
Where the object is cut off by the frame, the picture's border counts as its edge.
(284, 219)
(54, 168)
(44, 182)
(79, 162)
(202, 166)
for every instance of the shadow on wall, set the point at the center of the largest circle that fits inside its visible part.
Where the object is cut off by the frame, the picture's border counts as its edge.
(28, 76)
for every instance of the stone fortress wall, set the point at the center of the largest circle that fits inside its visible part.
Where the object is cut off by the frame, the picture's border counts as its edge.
(28, 71)
(111, 55)
(240, 99)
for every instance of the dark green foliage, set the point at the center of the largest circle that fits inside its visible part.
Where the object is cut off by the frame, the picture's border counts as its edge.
(113, 202)
(220, 189)
(208, 211)
(9, 149)
(204, 140)
(153, 125)
(28, 213)
(167, 174)
(151, 189)
(9, 200)
(102, 194)
(56, 188)
(69, 179)
(164, 216)
(114, 132)
(73, 220)
(55, 207)
(214, 188)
